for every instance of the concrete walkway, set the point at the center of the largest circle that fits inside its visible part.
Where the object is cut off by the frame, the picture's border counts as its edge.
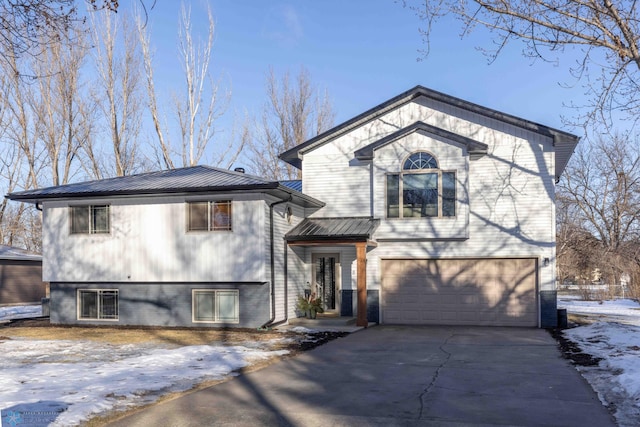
(400, 376)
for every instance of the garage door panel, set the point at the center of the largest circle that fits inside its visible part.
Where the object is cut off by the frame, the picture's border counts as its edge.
(499, 292)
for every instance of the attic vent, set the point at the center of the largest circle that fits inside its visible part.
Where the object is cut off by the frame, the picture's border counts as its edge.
(240, 170)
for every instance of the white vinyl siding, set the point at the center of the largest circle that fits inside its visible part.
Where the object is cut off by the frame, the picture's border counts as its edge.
(215, 306)
(149, 243)
(505, 199)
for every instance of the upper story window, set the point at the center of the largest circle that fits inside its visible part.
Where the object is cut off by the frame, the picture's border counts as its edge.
(90, 219)
(421, 189)
(209, 216)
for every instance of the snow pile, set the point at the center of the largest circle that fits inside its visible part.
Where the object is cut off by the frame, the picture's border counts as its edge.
(90, 378)
(20, 311)
(615, 338)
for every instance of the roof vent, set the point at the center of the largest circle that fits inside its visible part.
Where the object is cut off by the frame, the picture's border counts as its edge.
(240, 170)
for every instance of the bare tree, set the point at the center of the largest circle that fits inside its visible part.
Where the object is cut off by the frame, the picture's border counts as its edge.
(293, 113)
(201, 106)
(604, 33)
(119, 71)
(601, 192)
(197, 105)
(29, 27)
(61, 107)
(165, 157)
(21, 158)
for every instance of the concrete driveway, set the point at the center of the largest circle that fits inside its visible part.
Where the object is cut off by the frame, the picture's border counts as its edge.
(400, 376)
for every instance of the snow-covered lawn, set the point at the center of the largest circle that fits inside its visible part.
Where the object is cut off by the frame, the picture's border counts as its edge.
(75, 380)
(80, 379)
(20, 311)
(615, 338)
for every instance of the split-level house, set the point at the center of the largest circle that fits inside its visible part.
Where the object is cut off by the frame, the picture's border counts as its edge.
(426, 209)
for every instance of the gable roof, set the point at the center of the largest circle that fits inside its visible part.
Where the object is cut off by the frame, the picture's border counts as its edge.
(194, 179)
(473, 146)
(343, 229)
(564, 142)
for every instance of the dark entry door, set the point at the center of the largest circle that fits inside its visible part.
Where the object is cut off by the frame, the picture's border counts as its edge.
(325, 280)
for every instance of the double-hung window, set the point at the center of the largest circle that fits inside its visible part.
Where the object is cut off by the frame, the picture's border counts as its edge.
(421, 189)
(215, 306)
(90, 219)
(209, 216)
(98, 304)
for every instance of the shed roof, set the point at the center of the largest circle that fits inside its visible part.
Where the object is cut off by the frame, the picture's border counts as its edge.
(194, 179)
(344, 229)
(564, 142)
(17, 254)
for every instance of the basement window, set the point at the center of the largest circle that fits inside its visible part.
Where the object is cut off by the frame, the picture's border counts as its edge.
(98, 304)
(215, 306)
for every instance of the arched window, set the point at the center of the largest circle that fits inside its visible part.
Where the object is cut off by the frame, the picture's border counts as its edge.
(420, 160)
(421, 189)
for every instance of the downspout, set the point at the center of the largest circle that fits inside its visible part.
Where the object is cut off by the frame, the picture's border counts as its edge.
(272, 264)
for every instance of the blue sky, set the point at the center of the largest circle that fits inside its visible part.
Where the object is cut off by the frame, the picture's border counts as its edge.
(362, 52)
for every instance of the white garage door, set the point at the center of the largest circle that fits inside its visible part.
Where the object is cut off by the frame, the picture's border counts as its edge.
(497, 292)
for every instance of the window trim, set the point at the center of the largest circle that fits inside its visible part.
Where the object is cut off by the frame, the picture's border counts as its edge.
(91, 211)
(211, 205)
(98, 291)
(216, 320)
(404, 172)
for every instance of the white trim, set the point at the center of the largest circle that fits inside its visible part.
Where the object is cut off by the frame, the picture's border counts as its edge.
(98, 291)
(215, 292)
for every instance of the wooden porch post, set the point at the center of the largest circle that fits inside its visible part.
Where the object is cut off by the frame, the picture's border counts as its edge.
(361, 255)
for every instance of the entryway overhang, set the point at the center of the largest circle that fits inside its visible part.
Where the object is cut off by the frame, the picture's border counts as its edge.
(354, 231)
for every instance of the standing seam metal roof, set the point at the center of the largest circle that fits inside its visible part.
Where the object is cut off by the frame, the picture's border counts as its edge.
(174, 180)
(357, 228)
(184, 180)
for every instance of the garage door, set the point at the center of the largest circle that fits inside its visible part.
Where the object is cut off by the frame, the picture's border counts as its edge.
(497, 292)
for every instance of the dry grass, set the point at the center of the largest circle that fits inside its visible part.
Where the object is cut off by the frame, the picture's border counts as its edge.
(169, 336)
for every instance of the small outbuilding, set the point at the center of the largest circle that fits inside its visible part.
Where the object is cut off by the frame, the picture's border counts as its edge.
(20, 277)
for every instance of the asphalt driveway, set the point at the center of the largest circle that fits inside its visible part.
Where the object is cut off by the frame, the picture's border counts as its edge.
(400, 376)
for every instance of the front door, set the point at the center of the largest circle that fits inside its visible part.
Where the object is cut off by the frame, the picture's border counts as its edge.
(325, 276)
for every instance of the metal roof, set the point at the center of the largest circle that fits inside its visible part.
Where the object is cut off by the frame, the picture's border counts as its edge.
(294, 184)
(11, 253)
(318, 229)
(195, 179)
(564, 142)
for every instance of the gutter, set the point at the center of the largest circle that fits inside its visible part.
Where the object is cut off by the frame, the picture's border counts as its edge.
(270, 322)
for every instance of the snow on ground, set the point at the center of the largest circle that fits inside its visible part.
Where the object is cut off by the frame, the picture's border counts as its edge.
(615, 338)
(20, 311)
(75, 380)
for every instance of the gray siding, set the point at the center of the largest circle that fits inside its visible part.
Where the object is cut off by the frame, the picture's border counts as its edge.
(160, 304)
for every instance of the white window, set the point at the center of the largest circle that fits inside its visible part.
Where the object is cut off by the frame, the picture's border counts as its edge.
(215, 306)
(90, 219)
(209, 216)
(98, 304)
